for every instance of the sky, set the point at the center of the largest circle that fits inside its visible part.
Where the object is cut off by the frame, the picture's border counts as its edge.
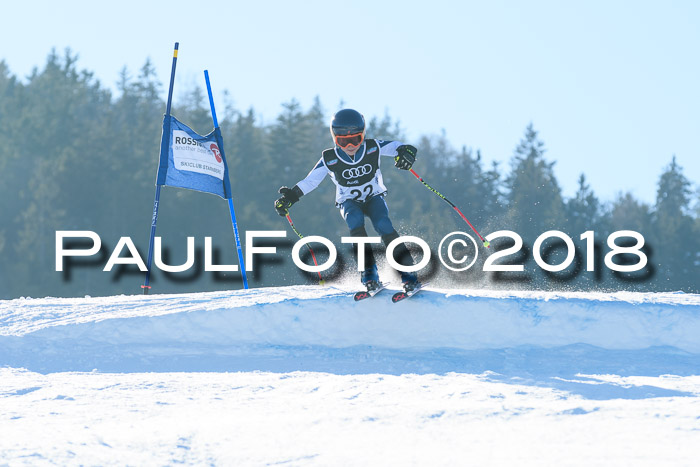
(611, 87)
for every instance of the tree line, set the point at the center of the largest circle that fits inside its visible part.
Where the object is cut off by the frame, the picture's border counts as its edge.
(76, 157)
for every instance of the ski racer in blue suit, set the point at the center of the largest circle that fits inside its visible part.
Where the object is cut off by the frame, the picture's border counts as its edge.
(354, 166)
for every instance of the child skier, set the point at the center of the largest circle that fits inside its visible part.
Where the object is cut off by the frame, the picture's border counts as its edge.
(353, 165)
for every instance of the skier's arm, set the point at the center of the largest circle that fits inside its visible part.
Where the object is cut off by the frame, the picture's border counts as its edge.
(313, 179)
(388, 148)
(308, 184)
(404, 154)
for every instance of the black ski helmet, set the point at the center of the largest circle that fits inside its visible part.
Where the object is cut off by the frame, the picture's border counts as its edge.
(347, 122)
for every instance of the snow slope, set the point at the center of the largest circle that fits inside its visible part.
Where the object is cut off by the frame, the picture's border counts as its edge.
(306, 376)
(322, 419)
(322, 329)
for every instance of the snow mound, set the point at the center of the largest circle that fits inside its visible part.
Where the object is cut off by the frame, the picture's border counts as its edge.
(314, 328)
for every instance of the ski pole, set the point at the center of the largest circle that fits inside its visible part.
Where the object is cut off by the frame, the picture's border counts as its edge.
(485, 242)
(289, 219)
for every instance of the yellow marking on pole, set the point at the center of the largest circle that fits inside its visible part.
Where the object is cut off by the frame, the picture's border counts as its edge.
(175, 53)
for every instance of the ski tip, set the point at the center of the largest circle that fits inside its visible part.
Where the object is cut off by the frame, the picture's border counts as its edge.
(397, 297)
(487, 244)
(361, 296)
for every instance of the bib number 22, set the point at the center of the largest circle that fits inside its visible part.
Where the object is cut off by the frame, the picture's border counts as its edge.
(361, 195)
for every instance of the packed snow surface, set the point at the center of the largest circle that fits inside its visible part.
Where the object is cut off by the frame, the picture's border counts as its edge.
(305, 376)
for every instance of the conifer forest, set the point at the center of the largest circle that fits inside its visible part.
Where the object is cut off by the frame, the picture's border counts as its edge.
(76, 155)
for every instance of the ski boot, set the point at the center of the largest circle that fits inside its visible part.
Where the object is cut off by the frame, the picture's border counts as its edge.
(411, 286)
(370, 278)
(409, 281)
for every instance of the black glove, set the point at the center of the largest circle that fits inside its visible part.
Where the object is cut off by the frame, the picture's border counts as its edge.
(289, 197)
(406, 157)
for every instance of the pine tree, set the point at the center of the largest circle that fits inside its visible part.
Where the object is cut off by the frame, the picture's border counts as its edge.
(138, 112)
(676, 246)
(193, 110)
(384, 129)
(319, 136)
(11, 161)
(534, 198)
(627, 213)
(250, 163)
(696, 235)
(583, 211)
(66, 115)
(494, 203)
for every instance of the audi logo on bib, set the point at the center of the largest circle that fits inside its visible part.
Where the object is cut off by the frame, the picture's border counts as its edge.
(356, 172)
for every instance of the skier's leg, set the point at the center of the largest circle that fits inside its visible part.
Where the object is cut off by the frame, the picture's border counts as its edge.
(370, 273)
(378, 213)
(402, 256)
(355, 218)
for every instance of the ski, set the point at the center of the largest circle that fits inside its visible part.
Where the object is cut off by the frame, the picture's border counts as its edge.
(398, 296)
(370, 293)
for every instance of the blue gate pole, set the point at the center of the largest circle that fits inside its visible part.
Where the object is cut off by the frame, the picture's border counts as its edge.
(238, 242)
(164, 144)
(227, 183)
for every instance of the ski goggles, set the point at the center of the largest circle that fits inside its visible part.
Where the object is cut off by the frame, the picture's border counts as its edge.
(353, 140)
